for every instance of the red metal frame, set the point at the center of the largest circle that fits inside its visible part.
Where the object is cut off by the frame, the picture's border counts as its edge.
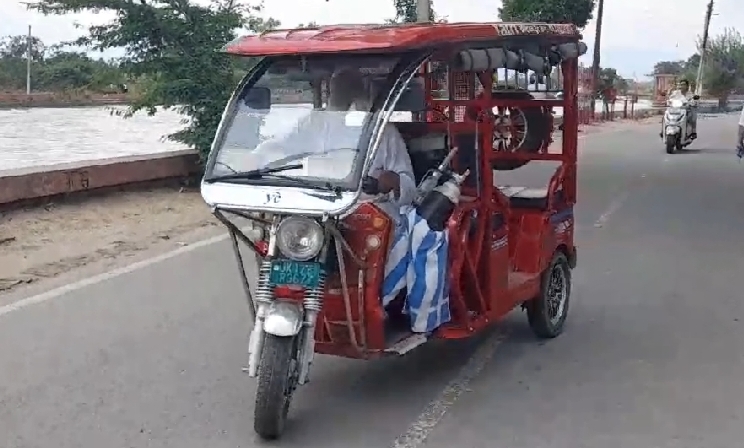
(485, 283)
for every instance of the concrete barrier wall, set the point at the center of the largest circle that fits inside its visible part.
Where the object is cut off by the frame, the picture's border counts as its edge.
(49, 181)
(20, 100)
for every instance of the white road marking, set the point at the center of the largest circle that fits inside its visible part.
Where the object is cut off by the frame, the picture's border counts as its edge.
(419, 430)
(54, 293)
(613, 207)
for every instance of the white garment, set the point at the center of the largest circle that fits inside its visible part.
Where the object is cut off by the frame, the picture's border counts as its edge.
(741, 118)
(392, 155)
(678, 93)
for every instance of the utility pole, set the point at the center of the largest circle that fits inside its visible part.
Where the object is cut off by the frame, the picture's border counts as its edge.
(28, 62)
(703, 48)
(595, 61)
(423, 11)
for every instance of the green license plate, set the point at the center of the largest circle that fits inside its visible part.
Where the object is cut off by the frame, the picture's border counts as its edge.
(301, 273)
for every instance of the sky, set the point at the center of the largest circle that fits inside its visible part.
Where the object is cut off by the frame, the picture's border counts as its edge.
(635, 34)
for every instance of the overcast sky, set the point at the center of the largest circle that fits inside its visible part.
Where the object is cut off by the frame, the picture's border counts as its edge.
(636, 33)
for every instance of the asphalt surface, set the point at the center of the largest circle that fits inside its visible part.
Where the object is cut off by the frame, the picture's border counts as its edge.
(651, 356)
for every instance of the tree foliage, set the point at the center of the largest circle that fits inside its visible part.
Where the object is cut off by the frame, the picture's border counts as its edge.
(53, 70)
(669, 68)
(609, 78)
(723, 72)
(578, 12)
(405, 11)
(172, 45)
(724, 64)
(17, 46)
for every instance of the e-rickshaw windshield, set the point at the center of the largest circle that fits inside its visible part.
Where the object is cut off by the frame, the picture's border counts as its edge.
(313, 111)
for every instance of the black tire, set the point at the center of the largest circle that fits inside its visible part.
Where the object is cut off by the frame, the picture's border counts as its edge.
(537, 124)
(276, 383)
(671, 143)
(540, 313)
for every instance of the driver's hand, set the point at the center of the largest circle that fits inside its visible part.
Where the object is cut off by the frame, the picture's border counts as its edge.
(370, 185)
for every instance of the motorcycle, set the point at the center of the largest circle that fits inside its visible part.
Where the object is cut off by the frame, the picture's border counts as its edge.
(677, 132)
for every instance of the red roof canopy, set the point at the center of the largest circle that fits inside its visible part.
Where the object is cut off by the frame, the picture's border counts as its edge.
(366, 38)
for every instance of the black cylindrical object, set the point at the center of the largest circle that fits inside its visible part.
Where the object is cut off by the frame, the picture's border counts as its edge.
(436, 209)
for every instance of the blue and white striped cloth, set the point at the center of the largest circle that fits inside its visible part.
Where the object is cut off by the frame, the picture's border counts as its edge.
(418, 262)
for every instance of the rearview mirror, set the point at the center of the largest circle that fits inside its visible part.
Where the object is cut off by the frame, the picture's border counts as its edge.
(258, 98)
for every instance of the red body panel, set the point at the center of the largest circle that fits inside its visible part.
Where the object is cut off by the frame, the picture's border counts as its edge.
(377, 38)
(332, 333)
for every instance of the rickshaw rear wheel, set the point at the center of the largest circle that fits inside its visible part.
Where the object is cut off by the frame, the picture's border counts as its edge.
(277, 379)
(547, 312)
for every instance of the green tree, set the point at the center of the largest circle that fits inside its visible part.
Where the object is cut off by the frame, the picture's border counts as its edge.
(724, 65)
(17, 46)
(171, 47)
(609, 78)
(13, 61)
(65, 71)
(405, 11)
(692, 62)
(578, 12)
(669, 68)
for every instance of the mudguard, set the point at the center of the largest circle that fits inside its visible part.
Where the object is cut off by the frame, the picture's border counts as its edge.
(283, 319)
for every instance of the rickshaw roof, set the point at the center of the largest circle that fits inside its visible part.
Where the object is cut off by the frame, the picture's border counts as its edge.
(391, 38)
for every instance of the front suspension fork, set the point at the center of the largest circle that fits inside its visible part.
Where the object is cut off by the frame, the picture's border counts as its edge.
(312, 304)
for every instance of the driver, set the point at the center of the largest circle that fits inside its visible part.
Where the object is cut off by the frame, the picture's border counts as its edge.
(391, 171)
(683, 91)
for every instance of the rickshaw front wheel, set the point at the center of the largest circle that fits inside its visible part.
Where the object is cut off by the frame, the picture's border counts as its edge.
(547, 312)
(277, 379)
(671, 144)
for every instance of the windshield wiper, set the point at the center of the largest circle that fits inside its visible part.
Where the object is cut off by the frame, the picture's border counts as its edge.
(302, 155)
(254, 174)
(260, 173)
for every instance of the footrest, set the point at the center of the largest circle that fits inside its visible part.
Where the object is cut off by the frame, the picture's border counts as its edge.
(406, 345)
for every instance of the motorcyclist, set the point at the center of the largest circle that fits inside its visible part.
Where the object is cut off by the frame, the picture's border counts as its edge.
(683, 92)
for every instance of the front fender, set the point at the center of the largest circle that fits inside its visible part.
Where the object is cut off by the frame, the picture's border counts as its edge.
(673, 129)
(283, 319)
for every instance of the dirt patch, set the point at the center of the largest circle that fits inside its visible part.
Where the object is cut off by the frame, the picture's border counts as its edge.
(45, 242)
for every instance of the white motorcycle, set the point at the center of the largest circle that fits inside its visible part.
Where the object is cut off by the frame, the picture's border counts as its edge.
(676, 130)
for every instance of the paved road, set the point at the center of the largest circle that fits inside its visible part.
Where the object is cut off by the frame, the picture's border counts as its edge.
(651, 356)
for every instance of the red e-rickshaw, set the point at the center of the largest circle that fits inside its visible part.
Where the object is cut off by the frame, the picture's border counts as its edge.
(463, 97)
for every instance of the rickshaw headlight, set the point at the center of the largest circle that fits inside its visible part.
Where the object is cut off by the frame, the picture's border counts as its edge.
(299, 239)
